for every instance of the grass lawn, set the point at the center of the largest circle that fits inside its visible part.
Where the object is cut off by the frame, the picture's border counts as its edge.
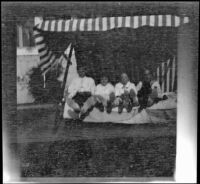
(92, 150)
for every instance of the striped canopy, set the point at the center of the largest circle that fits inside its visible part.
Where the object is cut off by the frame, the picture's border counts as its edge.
(48, 58)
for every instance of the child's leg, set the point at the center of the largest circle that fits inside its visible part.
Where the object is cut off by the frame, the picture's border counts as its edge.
(133, 98)
(89, 103)
(73, 104)
(110, 103)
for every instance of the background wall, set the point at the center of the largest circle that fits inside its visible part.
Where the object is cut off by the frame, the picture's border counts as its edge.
(27, 58)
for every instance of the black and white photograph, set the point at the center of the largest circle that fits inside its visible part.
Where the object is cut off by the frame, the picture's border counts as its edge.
(99, 91)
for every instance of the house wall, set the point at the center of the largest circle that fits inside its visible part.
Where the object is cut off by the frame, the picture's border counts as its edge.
(27, 58)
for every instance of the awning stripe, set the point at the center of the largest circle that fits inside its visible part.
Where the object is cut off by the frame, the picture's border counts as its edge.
(152, 20)
(89, 25)
(112, 22)
(97, 24)
(135, 22)
(140, 21)
(93, 24)
(116, 21)
(100, 24)
(131, 22)
(156, 20)
(127, 22)
(185, 20)
(67, 25)
(85, 24)
(74, 25)
(123, 22)
(160, 20)
(53, 25)
(46, 25)
(144, 20)
(81, 24)
(164, 20)
(60, 25)
(168, 20)
(104, 22)
(119, 22)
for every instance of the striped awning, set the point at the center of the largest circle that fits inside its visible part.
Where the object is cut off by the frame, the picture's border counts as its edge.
(47, 57)
(107, 23)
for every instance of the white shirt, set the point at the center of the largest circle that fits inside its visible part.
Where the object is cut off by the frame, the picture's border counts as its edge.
(85, 84)
(120, 88)
(104, 91)
(154, 85)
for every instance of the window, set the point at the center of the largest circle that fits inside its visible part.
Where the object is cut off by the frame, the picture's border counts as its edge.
(25, 34)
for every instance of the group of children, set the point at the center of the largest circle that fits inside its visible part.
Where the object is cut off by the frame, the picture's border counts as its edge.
(82, 94)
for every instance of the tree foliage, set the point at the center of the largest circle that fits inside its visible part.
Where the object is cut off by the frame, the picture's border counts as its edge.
(52, 90)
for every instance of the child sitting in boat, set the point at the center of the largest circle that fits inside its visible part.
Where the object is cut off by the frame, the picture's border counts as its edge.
(79, 94)
(126, 94)
(104, 95)
(149, 91)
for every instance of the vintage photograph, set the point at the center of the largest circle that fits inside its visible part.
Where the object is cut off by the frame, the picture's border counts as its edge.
(96, 87)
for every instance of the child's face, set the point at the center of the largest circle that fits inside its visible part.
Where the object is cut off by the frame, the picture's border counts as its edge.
(124, 79)
(104, 81)
(81, 72)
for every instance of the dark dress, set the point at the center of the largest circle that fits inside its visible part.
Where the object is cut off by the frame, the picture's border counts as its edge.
(81, 97)
(143, 94)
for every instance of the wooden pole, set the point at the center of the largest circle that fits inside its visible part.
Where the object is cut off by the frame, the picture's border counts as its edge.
(67, 67)
(60, 108)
